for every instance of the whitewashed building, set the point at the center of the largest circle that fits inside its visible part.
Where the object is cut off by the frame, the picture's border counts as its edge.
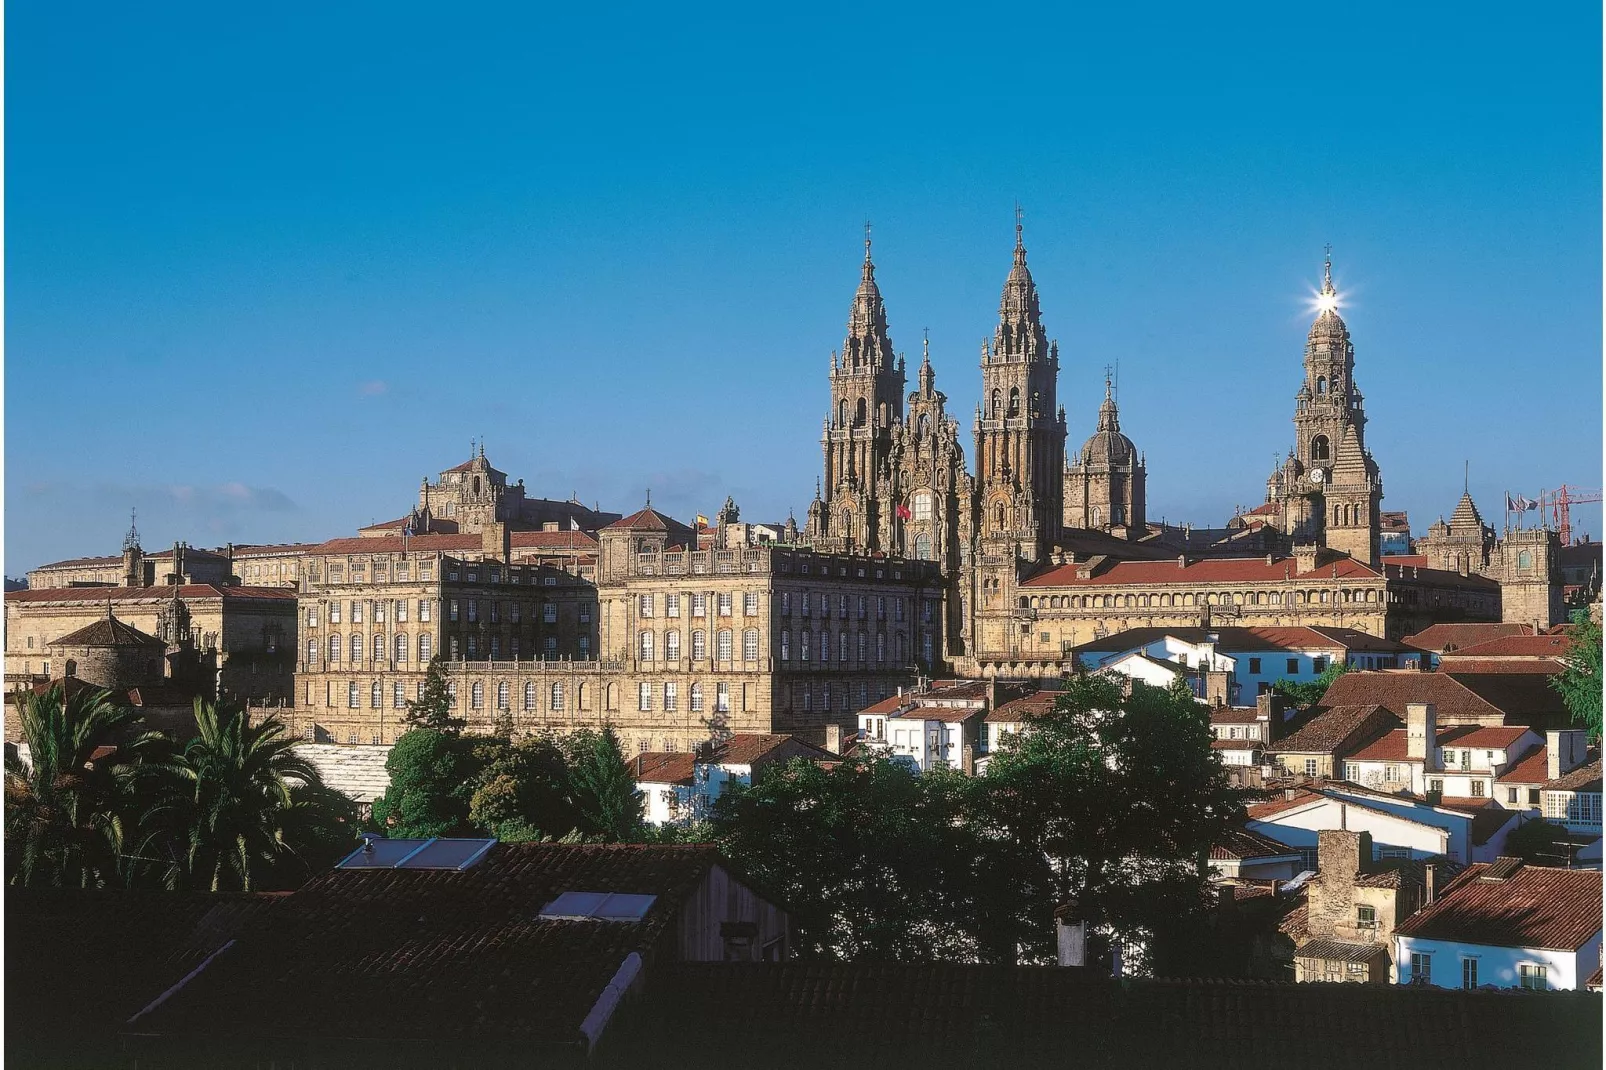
(1505, 925)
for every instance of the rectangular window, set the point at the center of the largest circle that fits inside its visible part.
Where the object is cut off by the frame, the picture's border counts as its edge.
(750, 604)
(356, 612)
(423, 610)
(1511, 795)
(724, 603)
(451, 610)
(585, 613)
(1365, 917)
(353, 695)
(1352, 772)
(549, 612)
(550, 645)
(473, 609)
(334, 612)
(786, 603)
(312, 621)
(670, 698)
(398, 695)
(1477, 789)
(1532, 975)
(644, 605)
(401, 611)
(644, 696)
(1469, 973)
(671, 605)
(1310, 766)
(722, 698)
(1318, 665)
(1254, 665)
(496, 612)
(1293, 664)
(584, 647)
(513, 612)
(842, 606)
(1422, 967)
(699, 605)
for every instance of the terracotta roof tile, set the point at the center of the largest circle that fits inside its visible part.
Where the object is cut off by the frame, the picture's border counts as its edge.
(1245, 843)
(1512, 646)
(1208, 570)
(107, 631)
(1458, 700)
(554, 540)
(1441, 637)
(1292, 799)
(1391, 748)
(1538, 907)
(1586, 777)
(1016, 710)
(188, 592)
(755, 749)
(1531, 768)
(664, 767)
(1330, 950)
(1334, 728)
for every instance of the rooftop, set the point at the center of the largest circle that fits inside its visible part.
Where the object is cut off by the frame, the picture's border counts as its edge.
(1330, 728)
(1536, 906)
(1392, 747)
(1585, 778)
(1442, 637)
(1207, 570)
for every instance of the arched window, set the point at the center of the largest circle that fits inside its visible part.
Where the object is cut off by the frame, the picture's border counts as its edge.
(1321, 385)
(377, 648)
(847, 523)
(334, 648)
(646, 646)
(582, 698)
(476, 696)
(425, 647)
(312, 651)
(1320, 448)
(356, 649)
(858, 414)
(842, 413)
(1098, 517)
(672, 646)
(376, 695)
(750, 644)
(1014, 401)
(699, 644)
(922, 547)
(1276, 598)
(998, 401)
(696, 697)
(501, 694)
(555, 697)
(920, 505)
(529, 694)
(610, 697)
(1525, 559)
(403, 648)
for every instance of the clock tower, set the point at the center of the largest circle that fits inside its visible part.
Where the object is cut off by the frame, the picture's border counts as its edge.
(1328, 488)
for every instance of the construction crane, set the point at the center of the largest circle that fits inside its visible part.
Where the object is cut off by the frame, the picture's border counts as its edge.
(1561, 500)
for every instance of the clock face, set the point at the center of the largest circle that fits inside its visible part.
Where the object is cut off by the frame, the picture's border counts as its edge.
(1318, 476)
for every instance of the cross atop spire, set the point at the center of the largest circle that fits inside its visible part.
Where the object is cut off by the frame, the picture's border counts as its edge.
(131, 540)
(867, 241)
(1020, 242)
(1327, 269)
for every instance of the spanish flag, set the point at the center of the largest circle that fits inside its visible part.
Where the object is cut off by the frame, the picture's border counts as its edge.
(702, 521)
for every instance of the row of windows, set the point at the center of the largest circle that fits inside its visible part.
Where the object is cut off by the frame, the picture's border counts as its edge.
(400, 648)
(1203, 598)
(804, 696)
(646, 645)
(382, 569)
(1530, 975)
(860, 605)
(850, 646)
(469, 609)
(724, 604)
(397, 609)
(671, 697)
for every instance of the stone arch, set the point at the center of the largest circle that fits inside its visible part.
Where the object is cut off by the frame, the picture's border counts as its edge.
(859, 413)
(1014, 401)
(1321, 449)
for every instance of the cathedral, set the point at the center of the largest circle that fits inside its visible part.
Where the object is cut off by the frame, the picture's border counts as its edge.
(1042, 547)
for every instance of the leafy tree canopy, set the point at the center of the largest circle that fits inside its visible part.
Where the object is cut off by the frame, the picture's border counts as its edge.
(433, 709)
(1580, 682)
(1310, 693)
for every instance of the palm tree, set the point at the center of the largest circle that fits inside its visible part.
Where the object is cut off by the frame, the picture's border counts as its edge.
(78, 803)
(250, 805)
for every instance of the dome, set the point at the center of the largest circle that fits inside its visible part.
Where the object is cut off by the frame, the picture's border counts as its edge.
(1108, 446)
(1329, 325)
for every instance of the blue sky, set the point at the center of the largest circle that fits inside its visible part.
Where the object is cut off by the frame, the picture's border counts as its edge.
(266, 268)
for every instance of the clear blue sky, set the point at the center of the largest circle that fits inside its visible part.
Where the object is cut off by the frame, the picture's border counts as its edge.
(268, 267)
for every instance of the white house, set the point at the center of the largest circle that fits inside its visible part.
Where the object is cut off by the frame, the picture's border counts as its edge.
(1505, 925)
(681, 787)
(1573, 800)
(1249, 660)
(1239, 734)
(1464, 761)
(1521, 785)
(1400, 826)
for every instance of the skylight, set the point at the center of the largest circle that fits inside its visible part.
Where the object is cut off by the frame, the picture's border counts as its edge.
(599, 906)
(377, 852)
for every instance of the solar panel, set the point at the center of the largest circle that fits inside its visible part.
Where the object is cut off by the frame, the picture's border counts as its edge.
(599, 906)
(377, 852)
(435, 853)
(446, 854)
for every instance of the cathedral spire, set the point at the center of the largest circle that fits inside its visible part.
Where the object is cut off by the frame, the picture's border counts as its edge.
(1109, 418)
(131, 540)
(1020, 332)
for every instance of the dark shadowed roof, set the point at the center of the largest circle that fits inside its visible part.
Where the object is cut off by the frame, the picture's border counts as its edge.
(1332, 728)
(852, 1015)
(1034, 705)
(1536, 906)
(1472, 699)
(108, 631)
(1340, 951)
(1246, 843)
(1442, 637)
(398, 954)
(187, 592)
(757, 748)
(1586, 777)
(664, 767)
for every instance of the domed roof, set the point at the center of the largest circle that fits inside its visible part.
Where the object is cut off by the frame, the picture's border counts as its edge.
(1329, 324)
(1108, 445)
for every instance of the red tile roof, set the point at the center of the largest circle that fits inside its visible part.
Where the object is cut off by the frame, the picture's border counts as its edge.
(415, 544)
(1233, 640)
(1586, 777)
(1333, 729)
(755, 749)
(1407, 560)
(1291, 799)
(1237, 744)
(1391, 748)
(664, 767)
(945, 714)
(1208, 570)
(889, 705)
(1441, 637)
(1243, 843)
(1486, 666)
(1531, 768)
(1525, 698)
(1234, 715)
(1537, 907)
(1511, 646)
(649, 519)
(107, 631)
(554, 540)
(156, 555)
(1018, 710)
(187, 592)
(1455, 701)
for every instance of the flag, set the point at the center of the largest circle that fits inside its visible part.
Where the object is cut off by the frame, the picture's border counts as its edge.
(574, 525)
(702, 521)
(903, 512)
(1512, 506)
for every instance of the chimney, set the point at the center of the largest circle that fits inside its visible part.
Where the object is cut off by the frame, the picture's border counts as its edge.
(1343, 854)
(1430, 882)
(1071, 935)
(1271, 707)
(1421, 733)
(1564, 751)
(833, 738)
(1216, 688)
(968, 759)
(496, 542)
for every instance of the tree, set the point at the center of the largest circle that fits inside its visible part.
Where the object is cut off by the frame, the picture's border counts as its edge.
(434, 709)
(522, 793)
(75, 809)
(1310, 693)
(1121, 796)
(1580, 682)
(432, 780)
(251, 811)
(602, 789)
(1541, 843)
